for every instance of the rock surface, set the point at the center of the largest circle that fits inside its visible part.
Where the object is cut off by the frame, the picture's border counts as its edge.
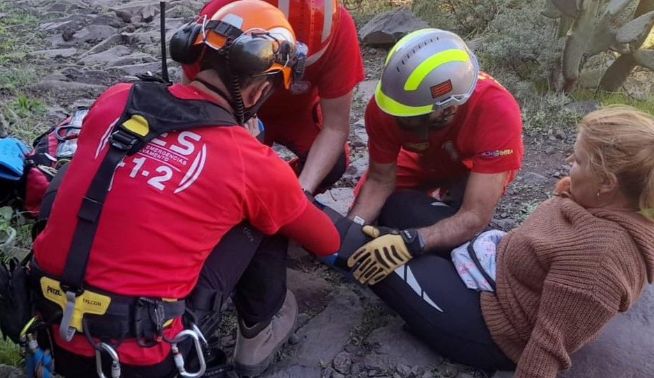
(332, 327)
(388, 27)
(625, 347)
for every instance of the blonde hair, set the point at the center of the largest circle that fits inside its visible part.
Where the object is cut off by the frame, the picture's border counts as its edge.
(619, 141)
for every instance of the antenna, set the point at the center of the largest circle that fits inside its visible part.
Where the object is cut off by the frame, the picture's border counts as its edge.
(162, 23)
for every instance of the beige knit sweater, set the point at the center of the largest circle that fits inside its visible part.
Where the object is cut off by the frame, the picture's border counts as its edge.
(561, 276)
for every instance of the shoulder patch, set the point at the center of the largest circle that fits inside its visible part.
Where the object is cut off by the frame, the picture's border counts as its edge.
(496, 153)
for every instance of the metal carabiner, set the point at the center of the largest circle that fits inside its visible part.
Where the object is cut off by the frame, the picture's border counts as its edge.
(179, 359)
(196, 329)
(115, 361)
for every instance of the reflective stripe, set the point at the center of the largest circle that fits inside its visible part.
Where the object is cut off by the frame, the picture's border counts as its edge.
(283, 6)
(314, 57)
(430, 64)
(328, 14)
(405, 40)
(392, 107)
(407, 275)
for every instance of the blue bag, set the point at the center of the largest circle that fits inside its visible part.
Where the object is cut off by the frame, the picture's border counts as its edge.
(12, 159)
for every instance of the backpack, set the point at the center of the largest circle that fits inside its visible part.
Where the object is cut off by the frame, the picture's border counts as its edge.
(51, 150)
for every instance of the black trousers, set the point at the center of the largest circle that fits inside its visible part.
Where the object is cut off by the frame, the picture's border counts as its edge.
(246, 265)
(249, 267)
(431, 297)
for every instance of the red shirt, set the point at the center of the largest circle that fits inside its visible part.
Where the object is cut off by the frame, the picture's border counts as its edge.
(333, 75)
(168, 207)
(485, 137)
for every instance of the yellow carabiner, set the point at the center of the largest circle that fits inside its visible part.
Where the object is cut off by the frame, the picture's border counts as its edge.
(28, 326)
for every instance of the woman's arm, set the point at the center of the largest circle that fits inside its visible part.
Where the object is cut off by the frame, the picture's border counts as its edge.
(570, 314)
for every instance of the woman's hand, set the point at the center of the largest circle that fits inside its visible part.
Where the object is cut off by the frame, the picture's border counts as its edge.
(562, 188)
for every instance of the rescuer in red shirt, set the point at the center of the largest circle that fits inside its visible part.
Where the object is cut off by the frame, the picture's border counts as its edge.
(188, 216)
(445, 130)
(312, 119)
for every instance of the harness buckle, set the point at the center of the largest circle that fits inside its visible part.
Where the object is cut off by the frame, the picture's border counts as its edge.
(196, 335)
(149, 319)
(123, 140)
(115, 361)
(66, 329)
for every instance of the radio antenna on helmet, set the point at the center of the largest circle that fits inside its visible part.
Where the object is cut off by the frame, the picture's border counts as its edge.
(162, 31)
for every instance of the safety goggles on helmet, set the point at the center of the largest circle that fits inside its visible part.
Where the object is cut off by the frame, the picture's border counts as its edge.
(256, 52)
(455, 100)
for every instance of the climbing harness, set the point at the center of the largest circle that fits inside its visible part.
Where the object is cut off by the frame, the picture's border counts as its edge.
(105, 316)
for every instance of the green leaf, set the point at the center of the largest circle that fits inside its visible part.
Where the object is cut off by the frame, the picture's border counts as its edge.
(636, 30)
(617, 6)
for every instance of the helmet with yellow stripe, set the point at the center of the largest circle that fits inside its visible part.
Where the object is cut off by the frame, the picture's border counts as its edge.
(427, 70)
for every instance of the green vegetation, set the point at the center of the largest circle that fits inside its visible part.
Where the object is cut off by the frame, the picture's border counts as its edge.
(13, 78)
(7, 232)
(21, 112)
(24, 114)
(9, 352)
(465, 17)
(621, 27)
(612, 98)
(13, 29)
(15, 233)
(542, 114)
(364, 10)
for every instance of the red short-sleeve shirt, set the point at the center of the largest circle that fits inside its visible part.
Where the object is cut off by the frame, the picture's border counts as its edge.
(333, 75)
(168, 207)
(485, 137)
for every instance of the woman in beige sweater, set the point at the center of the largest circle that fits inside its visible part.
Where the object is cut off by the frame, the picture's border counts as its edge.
(579, 259)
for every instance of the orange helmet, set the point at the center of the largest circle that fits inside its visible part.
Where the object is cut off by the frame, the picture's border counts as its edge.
(314, 22)
(265, 39)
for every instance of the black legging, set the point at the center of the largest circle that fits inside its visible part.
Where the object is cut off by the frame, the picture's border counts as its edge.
(431, 297)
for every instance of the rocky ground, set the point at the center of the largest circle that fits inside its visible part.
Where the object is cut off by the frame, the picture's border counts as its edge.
(74, 49)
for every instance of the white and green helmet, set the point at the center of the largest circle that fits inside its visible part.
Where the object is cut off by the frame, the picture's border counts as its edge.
(427, 70)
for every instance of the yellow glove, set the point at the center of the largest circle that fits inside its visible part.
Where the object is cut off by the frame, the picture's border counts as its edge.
(381, 256)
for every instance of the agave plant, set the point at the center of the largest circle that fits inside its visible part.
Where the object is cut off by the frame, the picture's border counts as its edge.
(595, 26)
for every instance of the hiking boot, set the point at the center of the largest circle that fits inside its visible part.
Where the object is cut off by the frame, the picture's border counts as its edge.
(257, 345)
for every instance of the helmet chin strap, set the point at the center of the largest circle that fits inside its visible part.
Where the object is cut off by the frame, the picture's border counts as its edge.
(234, 97)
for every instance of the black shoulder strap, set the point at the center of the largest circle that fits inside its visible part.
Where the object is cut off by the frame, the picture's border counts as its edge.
(151, 111)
